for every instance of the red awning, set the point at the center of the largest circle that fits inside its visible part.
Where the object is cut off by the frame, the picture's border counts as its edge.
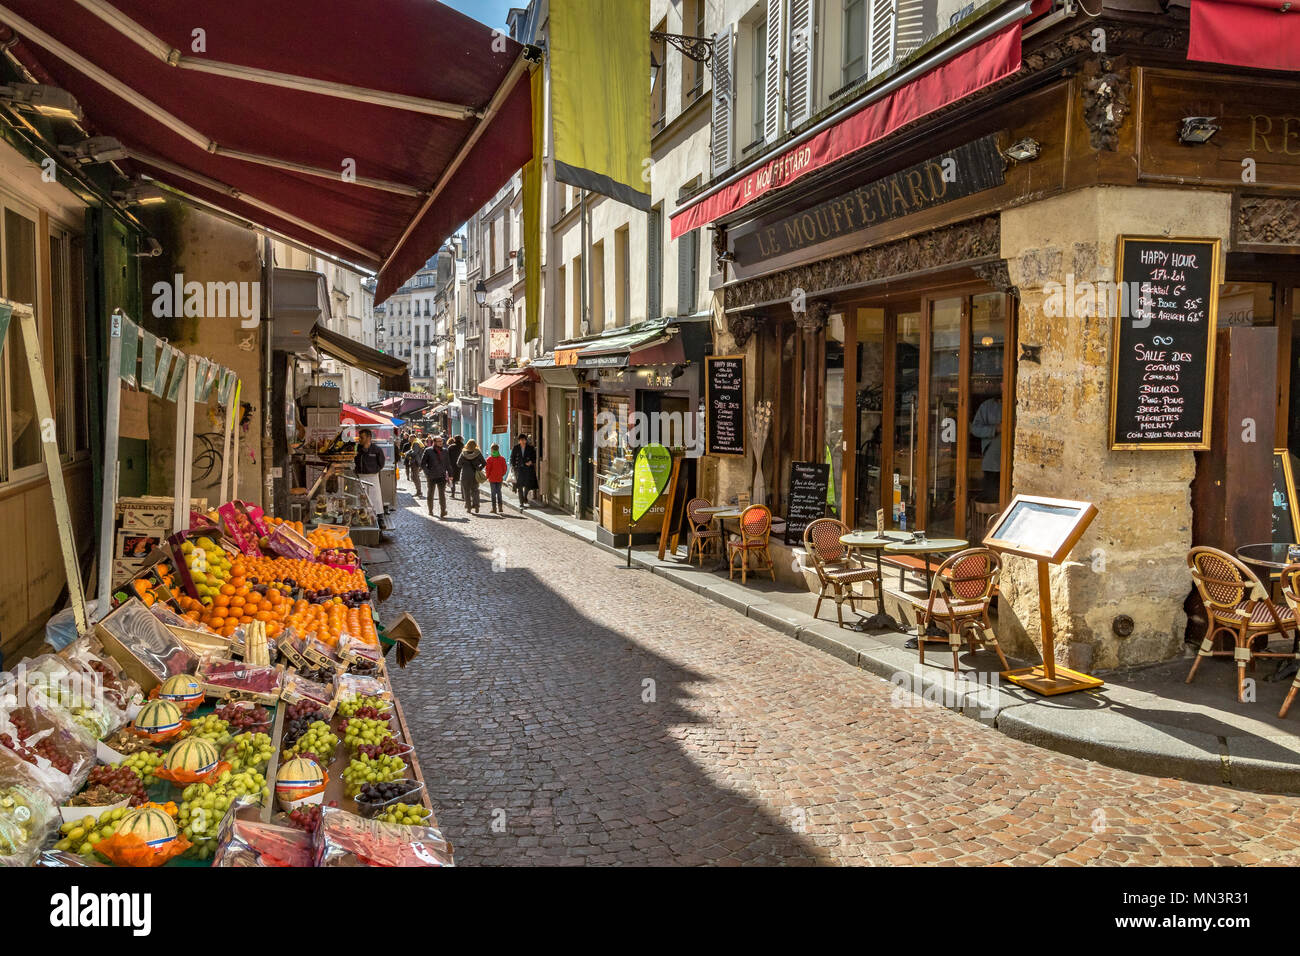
(1262, 34)
(352, 415)
(368, 130)
(499, 384)
(988, 61)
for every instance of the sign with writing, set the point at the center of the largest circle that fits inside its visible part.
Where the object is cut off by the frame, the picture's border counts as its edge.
(724, 403)
(498, 343)
(809, 482)
(1165, 303)
(650, 474)
(968, 169)
(1286, 522)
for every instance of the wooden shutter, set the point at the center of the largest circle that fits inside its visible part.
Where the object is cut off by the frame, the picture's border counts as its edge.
(688, 255)
(882, 33)
(654, 264)
(772, 98)
(799, 87)
(724, 87)
(910, 32)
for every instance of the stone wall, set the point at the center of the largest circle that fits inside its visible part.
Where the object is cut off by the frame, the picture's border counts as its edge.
(1131, 561)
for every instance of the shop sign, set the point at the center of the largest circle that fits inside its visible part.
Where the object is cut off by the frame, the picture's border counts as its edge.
(724, 383)
(618, 360)
(1162, 369)
(968, 169)
(650, 475)
(567, 357)
(498, 343)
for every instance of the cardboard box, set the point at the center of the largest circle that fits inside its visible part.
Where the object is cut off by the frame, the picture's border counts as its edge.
(147, 652)
(135, 545)
(123, 570)
(152, 512)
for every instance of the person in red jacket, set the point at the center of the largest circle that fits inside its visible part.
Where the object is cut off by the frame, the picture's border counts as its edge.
(495, 466)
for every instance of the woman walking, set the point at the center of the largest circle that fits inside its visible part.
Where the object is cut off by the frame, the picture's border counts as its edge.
(523, 462)
(496, 473)
(470, 461)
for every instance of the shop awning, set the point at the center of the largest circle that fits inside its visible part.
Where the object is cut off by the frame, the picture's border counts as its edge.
(499, 384)
(393, 374)
(611, 349)
(368, 130)
(355, 415)
(944, 77)
(1261, 34)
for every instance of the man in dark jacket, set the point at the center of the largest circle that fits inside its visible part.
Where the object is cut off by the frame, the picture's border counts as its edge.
(523, 462)
(368, 463)
(453, 452)
(437, 469)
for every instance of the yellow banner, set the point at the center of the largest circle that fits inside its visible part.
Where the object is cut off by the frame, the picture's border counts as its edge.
(532, 190)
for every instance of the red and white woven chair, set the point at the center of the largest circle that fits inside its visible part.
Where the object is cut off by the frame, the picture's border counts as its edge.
(702, 535)
(837, 574)
(755, 529)
(961, 592)
(1237, 603)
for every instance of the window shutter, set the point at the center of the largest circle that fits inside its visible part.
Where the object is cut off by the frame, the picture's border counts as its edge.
(800, 87)
(724, 87)
(654, 265)
(772, 76)
(910, 31)
(688, 254)
(882, 33)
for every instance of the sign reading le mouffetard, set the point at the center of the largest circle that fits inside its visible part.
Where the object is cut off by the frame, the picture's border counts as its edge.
(964, 171)
(654, 465)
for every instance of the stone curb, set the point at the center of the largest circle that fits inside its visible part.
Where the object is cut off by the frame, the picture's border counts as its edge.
(1089, 725)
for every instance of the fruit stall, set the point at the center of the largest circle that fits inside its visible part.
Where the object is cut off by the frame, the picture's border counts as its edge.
(233, 708)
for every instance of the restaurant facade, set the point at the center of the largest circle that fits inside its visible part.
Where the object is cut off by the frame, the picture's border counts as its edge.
(934, 314)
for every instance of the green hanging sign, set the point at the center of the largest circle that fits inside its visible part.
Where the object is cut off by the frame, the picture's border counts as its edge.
(650, 475)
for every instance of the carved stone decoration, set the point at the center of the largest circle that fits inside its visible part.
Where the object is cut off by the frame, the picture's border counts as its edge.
(741, 325)
(810, 320)
(1267, 220)
(719, 240)
(996, 275)
(1106, 89)
(951, 245)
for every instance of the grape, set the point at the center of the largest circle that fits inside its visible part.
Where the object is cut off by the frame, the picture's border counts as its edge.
(122, 780)
(244, 718)
(210, 727)
(318, 740)
(408, 814)
(364, 730)
(249, 751)
(204, 805)
(144, 764)
(81, 836)
(349, 707)
(363, 770)
(306, 817)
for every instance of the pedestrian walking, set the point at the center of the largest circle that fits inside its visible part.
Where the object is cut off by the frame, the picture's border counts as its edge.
(454, 448)
(414, 457)
(495, 469)
(523, 462)
(436, 464)
(471, 460)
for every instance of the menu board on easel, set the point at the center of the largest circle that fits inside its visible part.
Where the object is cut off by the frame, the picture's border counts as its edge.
(806, 501)
(1162, 358)
(724, 403)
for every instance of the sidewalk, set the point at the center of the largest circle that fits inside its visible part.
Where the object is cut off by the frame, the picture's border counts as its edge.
(1147, 720)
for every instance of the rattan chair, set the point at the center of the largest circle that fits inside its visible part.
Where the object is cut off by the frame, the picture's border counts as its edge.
(960, 594)
(830, 559)
(702, 535)
(1236, 603)
(755, 529)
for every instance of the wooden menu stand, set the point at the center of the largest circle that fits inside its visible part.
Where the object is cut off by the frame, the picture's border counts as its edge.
(1044, 529)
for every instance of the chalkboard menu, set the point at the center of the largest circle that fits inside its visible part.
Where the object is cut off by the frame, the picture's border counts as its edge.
(1162, 369)
(724, 385)
(1285, 527)
(809, 482)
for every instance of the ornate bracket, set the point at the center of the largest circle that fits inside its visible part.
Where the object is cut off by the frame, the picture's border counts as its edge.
(810, 320)
(1106, 90)
(742, 325)
(996, 275)
(699, 49)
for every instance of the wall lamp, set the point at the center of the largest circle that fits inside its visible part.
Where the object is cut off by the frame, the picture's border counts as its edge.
(1024, 150)
(1197, 130)
(44, 99)
(96, 149)
(140, 194)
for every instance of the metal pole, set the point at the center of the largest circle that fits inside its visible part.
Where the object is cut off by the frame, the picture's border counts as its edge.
(112, 424)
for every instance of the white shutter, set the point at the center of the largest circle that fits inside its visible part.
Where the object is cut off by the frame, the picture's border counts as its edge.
(910, 31)
(800, 83)
(724, 87)
(882, 33)
(772, 86)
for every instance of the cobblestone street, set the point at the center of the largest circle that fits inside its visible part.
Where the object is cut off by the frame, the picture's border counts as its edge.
(569, 712)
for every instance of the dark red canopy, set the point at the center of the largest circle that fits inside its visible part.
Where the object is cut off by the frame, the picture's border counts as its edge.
(428, 108)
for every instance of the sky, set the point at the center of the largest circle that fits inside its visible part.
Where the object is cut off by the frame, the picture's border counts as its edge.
(491, 12)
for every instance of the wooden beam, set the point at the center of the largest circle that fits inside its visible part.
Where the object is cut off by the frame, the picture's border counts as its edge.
(184, 447)
(112, 423)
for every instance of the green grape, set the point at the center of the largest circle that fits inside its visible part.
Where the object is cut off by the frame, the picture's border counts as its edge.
(407, 814)
(144, 764)
(351, 705)
(249, 751)
(365, 730)
(364, 769)
(318, 739)
(212, 728)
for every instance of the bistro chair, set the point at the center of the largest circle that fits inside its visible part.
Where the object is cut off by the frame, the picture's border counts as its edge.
(837, 574)
(961, 592)
(755, 530)
(702, 535)
(1236, 603)
(1290, 584)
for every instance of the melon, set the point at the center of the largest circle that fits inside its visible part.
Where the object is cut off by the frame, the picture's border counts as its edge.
(192, 755)
(181, 689)
(150, 824)
(158, 717)
(295, 781)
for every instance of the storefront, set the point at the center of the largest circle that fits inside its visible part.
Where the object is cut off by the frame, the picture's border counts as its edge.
(934, 316)
(509, 402)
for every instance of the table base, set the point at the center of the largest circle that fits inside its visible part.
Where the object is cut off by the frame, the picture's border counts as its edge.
(879, 621)
(1066, 681)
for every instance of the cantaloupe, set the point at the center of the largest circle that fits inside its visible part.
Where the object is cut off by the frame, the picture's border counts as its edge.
(192, 755)
(181, 689)
(158, 717)
(296, 780)
(152, 825)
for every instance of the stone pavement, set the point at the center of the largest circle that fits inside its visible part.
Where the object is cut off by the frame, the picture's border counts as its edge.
(567, 712)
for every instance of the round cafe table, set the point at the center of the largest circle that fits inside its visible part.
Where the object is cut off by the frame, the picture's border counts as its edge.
(877, 542)
(926, 547)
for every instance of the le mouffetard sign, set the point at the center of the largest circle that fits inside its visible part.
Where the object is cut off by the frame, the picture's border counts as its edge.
(968, 169)
(654, 465)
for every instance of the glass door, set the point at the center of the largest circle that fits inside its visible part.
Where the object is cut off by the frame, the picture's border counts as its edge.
(945, 419)
(905, 461)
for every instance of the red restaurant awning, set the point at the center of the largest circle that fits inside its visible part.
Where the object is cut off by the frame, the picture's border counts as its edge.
(497, 385)
(368, 130)
(352, 415)
(992, 59)
(1262, 34)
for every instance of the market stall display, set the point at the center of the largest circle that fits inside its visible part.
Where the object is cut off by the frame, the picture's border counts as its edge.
(232, 709)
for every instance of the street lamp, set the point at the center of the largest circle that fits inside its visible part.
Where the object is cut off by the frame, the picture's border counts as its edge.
(480, 292)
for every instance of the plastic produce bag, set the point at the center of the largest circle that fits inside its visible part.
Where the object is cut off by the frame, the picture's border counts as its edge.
(28, 814)
(244, 840)
(345, 839)
(73, 689)
(57, 755)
